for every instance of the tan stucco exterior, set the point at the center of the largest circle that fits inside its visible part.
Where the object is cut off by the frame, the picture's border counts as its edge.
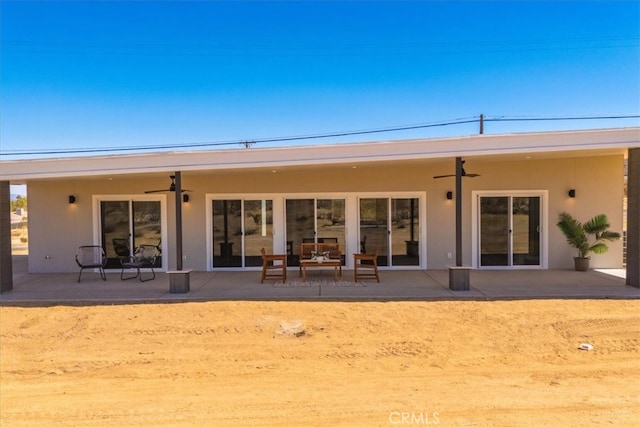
(57, 228)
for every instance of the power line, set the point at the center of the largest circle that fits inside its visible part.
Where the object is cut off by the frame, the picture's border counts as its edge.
(249, 143)
(241, 142)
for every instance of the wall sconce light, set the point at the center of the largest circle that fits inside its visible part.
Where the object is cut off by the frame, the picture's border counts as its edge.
(72, 199)
(572, 193)
(449, 195)
(185, 198)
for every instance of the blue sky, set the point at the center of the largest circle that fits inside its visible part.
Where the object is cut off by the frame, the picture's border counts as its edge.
(112, 74)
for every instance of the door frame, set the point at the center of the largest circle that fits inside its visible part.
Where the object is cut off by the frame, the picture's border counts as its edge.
(162, 198)
(277, 225)
(544, 227)
(422, 225)
(351, 221)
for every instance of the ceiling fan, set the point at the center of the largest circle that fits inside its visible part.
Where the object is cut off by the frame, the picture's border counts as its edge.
(464, 173)
(172, 187)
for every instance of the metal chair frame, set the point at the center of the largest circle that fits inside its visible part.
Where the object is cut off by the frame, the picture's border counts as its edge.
(91, 256)
(143, 257)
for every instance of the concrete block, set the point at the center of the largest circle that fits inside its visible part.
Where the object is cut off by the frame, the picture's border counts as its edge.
(179, 281)
(459, 278)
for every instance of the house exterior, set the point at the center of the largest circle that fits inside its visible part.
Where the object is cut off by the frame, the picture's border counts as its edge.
(375, 197)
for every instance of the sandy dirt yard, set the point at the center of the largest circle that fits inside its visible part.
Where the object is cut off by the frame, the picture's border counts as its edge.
(510, 363)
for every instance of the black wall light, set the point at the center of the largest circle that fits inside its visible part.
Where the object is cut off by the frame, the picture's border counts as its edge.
(72, 199)
(572, 193)
(449, 195)
(185, 198)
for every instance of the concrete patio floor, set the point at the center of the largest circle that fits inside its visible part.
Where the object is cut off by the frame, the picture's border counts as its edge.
(63, 289)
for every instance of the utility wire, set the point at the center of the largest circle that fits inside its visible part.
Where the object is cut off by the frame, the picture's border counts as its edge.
(249, 143)
(241, 142)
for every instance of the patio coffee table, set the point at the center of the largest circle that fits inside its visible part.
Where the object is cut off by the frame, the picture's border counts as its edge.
(312, 263)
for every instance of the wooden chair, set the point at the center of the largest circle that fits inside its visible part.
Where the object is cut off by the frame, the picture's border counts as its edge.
(365, 266)
(333, 248)
(305, 252)
(273, 267)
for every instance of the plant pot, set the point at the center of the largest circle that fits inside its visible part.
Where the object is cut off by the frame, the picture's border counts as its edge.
(582, 264)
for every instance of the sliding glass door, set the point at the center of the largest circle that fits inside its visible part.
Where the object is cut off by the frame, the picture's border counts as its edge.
(313, 220)
(241, 228)
(509, 232)
(127, 224)
(390, 227)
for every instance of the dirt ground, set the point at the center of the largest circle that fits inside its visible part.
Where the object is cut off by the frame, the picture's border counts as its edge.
(510, 363)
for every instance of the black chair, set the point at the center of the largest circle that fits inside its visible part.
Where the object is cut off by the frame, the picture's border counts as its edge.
(144, 257)
(121, 247)
(328, 240)
(363, 245)
(90, 256)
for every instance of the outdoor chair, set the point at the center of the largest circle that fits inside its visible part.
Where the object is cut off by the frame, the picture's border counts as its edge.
(273, 267)
(91, 257)
(144, 257)
(365, 266)
(121, 247)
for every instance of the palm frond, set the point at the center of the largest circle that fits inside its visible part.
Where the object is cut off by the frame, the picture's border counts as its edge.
(577, 234)
(596, 225)
(598, 248)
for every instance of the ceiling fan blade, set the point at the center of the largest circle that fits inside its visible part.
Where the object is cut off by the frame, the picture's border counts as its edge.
(442, 176)
(472, 175)
(166, 191)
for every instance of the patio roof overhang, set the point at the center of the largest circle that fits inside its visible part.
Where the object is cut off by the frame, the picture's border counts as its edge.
(539, 144)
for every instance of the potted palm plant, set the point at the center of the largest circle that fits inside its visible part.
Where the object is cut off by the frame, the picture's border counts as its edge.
(579, 236)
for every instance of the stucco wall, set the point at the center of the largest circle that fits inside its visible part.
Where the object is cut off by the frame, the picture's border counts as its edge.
(58, 228)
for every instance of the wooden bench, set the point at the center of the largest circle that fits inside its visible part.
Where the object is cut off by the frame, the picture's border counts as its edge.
(316, 255)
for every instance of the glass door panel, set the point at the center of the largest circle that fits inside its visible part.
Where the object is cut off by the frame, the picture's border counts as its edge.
(494, 231)
(374, 228)
(258, 230)
(405, 235)
(330, 222)
(115, 230)
(510, 230)
(147, 226)
(526, 230)
(227, 233)
(314, 220)
(127, 224)
(300, 220)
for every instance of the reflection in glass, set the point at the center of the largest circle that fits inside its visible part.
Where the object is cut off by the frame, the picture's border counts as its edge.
(374, 214)
(227, 233)
(115, 229)
(258, 230)
(311, 220)
(526, 230)
(300, 226)
(147, 228)
(405, 234)
(494, 231)
(126, 224)
(330, 221)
